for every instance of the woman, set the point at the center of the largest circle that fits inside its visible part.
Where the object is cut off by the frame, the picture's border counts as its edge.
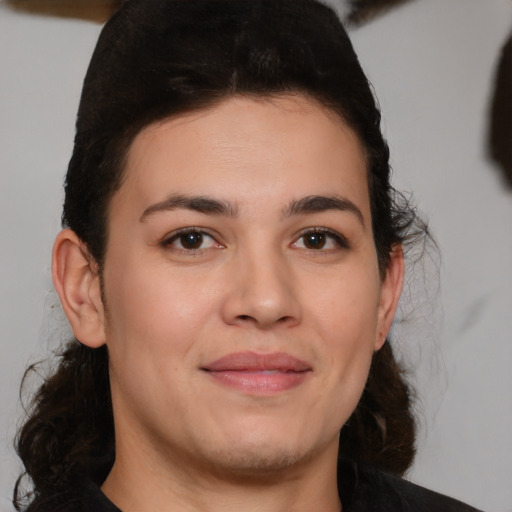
(231, 262)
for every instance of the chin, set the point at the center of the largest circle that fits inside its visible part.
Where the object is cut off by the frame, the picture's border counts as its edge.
(263, 443)
(257, 464)
(260, 458)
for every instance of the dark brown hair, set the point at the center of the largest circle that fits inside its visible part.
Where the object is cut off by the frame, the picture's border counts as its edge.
(161, 58)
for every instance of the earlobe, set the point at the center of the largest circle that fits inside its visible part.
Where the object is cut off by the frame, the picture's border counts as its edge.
(391, 290)
(77, 282)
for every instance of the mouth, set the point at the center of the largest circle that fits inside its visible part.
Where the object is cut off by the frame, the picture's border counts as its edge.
(259, 374)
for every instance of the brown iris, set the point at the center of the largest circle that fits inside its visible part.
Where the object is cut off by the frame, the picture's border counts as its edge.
(191, 240)
(315, 240)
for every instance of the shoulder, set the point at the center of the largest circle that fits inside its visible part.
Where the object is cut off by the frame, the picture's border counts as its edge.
(92, 499)
(86, 496)
(372, 490)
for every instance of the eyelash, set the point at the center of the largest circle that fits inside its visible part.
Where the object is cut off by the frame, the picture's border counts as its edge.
(168, 241)
(340, 241)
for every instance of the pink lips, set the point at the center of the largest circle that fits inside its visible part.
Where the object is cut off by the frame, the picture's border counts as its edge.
(260, 374)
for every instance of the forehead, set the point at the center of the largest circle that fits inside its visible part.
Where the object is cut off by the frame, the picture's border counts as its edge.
(248, 149)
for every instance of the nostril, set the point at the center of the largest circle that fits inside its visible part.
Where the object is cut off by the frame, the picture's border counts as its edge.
(250, 318)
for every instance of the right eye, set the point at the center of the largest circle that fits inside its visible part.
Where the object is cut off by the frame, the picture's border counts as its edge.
(190, 240)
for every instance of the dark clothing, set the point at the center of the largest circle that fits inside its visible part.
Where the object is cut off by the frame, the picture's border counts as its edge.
(362, 489)
(366, 489)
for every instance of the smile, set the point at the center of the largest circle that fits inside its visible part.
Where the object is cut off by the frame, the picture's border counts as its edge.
(259, 374)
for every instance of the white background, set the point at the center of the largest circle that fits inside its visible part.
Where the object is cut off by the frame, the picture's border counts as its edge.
(432, 63)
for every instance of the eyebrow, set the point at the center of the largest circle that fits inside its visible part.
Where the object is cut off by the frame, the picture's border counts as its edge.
(313, 204)
(210, 206)
(201, 204)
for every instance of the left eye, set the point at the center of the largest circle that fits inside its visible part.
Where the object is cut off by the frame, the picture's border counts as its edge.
(191, 240)
(320, 240)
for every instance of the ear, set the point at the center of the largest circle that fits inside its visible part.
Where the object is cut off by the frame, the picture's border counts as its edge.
(76, 280)
(391, 289)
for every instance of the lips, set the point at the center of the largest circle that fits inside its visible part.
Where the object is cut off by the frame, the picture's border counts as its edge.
(260, 374)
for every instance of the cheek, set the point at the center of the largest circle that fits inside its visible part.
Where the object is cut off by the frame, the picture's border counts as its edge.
(345, 307)
(153, 326)
(153, 312)
(346, 321)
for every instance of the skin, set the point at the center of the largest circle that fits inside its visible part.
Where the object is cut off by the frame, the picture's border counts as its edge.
(263, 278)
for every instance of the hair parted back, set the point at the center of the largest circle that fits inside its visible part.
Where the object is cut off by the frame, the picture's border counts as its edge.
(157, 59)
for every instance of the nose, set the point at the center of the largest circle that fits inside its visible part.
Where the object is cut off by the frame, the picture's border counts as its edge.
(261, 293)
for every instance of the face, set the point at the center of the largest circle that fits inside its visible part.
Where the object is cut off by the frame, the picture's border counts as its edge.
(243, 300)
